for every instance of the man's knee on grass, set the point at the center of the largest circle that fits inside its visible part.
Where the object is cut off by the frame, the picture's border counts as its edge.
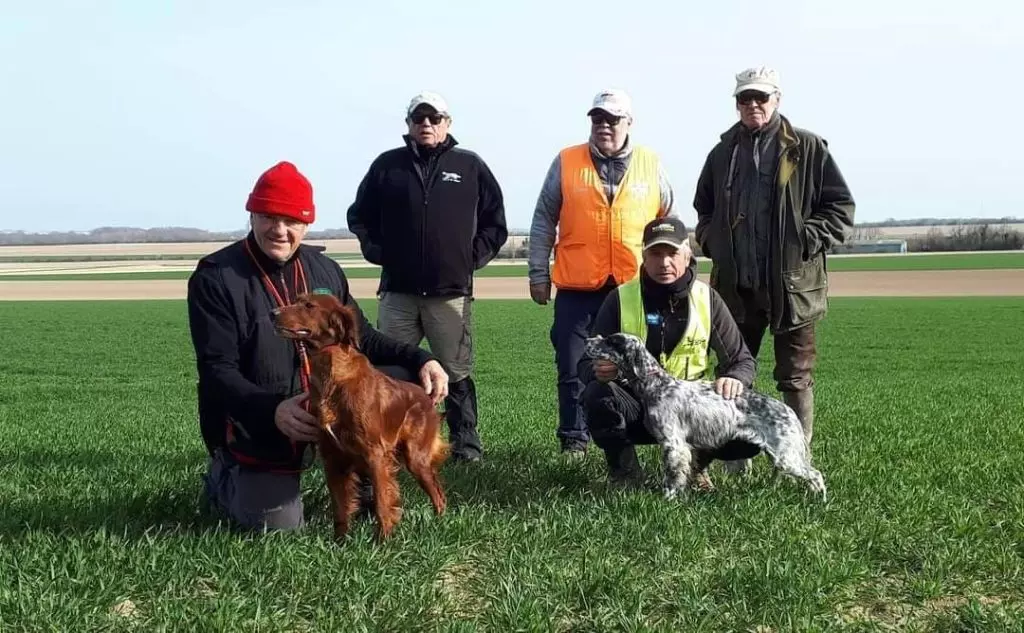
(254, 500)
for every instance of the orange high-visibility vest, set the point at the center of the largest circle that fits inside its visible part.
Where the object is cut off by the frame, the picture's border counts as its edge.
(597, 240)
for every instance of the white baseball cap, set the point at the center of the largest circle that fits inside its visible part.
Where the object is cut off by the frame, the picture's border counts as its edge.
(431, 99)
(613, 101)
(760, 78)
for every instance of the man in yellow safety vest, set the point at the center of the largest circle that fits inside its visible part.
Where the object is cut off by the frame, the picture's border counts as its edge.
(680, 319)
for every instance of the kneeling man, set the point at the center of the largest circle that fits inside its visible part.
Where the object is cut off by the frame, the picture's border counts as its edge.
(679, 318)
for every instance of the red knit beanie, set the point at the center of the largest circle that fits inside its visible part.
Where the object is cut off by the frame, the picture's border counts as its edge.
(282, 190)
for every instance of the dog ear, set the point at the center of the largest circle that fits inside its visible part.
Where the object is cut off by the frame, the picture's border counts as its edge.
(346, 326)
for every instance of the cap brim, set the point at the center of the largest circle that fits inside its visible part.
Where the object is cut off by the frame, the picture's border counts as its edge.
(608, 110)
(765, 88)
(665, 241)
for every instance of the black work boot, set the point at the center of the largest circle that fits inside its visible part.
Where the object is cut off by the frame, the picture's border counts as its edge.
(460, 413)
(623, 467)
(803, 403)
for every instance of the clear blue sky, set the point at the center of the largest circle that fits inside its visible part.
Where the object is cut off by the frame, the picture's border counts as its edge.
(147, 113)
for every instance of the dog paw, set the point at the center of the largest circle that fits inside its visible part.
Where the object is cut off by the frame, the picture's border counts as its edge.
(672, 492)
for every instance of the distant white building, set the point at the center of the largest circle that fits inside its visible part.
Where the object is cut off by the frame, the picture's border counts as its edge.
(871, 246)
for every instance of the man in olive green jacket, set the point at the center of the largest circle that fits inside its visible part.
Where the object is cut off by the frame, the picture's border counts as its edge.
(770, 203)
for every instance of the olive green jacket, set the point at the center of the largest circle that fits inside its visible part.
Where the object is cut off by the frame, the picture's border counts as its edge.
(812, 212)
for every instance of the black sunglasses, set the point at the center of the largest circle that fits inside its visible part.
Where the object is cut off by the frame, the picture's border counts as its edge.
(598, 118)
(419, 118)
(745, 98)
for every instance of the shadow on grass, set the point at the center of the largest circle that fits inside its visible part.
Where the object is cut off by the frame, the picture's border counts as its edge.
(507, 478)
(162, 494)
(75, 492)
(516, 476)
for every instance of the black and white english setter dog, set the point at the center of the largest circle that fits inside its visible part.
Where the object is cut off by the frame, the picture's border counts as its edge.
(688, 417)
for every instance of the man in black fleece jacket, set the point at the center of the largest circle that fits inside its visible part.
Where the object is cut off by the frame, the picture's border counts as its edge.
(680, 318)
(431, 213)
(253, 383)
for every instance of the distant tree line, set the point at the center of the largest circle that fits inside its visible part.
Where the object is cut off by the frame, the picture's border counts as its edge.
(974, 237)
(940, 222)
(969, 236)
(127, 235)
(130, 235)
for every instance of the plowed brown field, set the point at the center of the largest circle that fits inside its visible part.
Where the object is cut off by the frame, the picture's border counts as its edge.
(921, 283)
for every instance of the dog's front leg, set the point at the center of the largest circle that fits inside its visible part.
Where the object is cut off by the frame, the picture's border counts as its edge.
(676, 459)
(341, 482)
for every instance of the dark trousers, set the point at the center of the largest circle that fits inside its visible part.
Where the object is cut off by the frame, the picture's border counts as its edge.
(254, 499)
(574, 312)
(795, 351)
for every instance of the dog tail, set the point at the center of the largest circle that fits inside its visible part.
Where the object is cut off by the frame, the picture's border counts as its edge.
(440, 449)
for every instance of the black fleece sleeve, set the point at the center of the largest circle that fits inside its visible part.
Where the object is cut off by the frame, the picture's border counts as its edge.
(605, 323)
(734, 359)
(214, 332)
(364, 217)
(379, 348)
(491, 230)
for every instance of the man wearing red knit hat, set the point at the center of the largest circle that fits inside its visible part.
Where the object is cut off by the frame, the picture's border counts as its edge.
(251, 387)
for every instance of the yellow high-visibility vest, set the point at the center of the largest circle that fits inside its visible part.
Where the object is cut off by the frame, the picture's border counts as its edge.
(688, 360)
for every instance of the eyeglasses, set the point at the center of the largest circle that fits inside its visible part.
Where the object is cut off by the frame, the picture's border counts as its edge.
(419, 118)
(746, 98)
(598, 119)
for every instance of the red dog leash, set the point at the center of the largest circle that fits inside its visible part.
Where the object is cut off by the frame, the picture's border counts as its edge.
(300, 273)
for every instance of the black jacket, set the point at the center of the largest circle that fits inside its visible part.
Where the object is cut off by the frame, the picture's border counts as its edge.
(734, 359)
(245, 369)
(429, 218)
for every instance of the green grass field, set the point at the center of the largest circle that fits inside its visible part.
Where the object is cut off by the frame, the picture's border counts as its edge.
(919, 436)
(943, 261)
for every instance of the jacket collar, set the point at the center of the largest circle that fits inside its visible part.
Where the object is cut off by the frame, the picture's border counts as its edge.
(417, 151)
(627, 149)
(680, 289)
(787, 137)
(789, 146)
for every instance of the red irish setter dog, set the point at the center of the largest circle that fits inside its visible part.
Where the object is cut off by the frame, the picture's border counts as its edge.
(370, 421)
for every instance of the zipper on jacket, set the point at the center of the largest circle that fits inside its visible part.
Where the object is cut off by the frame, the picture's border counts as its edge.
(433, 167)
(423, 238)
(426, 178)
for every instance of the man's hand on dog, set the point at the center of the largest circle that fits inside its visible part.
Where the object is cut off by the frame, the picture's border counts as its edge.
(434, 380)
(605, 370)
(294, 421)
(728, 388)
